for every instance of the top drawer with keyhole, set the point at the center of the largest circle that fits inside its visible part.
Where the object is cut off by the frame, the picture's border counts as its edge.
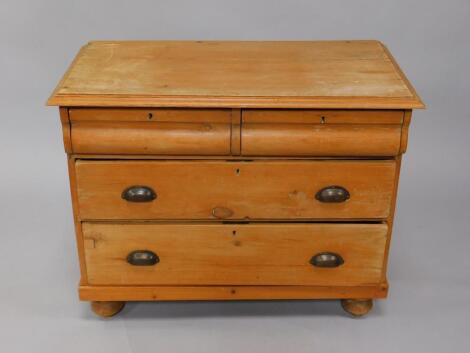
(354, 133)
(150, 131)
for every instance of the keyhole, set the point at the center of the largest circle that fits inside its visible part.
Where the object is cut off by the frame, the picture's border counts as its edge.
(237, 171)
(150, 116)
(234, 232)
(322, 120)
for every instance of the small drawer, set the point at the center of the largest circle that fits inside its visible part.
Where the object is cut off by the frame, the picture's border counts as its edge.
(250, 254)
(352, 133)
(235, 190)
(150, 131)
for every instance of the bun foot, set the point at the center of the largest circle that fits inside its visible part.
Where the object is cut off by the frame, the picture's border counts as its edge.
(107, 309)
(357, 307)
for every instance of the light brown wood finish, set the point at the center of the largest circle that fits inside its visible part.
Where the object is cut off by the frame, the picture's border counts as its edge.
(231, 159)
(320, 140)
(328, 74)
(151, 131)
(323, 116)
(357, 307)
(268, 132)
(261, 254)
(185, 119)
(151, 138)
(255, 190)
(236, 132)
(391, 217)
(76, 218)
(404, 134)
(107, 308)
(66, 130)
(201, 292)
(218, 132)
(160, 115)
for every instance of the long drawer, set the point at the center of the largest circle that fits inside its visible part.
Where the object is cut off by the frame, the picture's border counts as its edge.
(235, 190)
(235, 254)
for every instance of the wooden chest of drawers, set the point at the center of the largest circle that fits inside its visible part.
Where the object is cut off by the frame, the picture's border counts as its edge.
(234, 170)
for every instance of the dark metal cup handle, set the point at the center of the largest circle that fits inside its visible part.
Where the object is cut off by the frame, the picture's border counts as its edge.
(333, 193)
(143, 258)
(138, 193)
(326, 259)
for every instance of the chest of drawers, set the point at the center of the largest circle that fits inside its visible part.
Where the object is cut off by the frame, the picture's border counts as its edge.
(234, 170)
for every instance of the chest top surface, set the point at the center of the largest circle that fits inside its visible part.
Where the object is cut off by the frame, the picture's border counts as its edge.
(321, 74)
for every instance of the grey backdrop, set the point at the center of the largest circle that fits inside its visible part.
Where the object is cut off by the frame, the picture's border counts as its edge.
(428, 306)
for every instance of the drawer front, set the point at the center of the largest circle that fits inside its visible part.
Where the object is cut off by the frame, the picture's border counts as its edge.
(234, 190)
(321, 133)
(251, 254)
(151, 131)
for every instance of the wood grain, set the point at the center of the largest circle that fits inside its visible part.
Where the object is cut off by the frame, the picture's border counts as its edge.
(261, 254)
(404, 132)
(169, 115)
(391, 216)
(201, 292)
(357, 307)
(151, 131)
(107, 308)
(151, 138)
(320, 140)
(231, 159)
(254, 190)
(328, 74)
(235, 138)
(66, 130)
(268, 132)
(323, 116)
(218, 132)
(76, 218)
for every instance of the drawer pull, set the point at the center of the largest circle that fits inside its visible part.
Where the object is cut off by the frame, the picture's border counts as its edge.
(143, 258)
(332, 194)
(222, 212)
(326, 259)
(137, 193)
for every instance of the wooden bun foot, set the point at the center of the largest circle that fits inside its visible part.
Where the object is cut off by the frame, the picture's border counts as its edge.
(107, 309)
(357, 307)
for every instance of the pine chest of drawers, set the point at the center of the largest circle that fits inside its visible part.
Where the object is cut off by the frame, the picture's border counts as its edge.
(234, 170)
